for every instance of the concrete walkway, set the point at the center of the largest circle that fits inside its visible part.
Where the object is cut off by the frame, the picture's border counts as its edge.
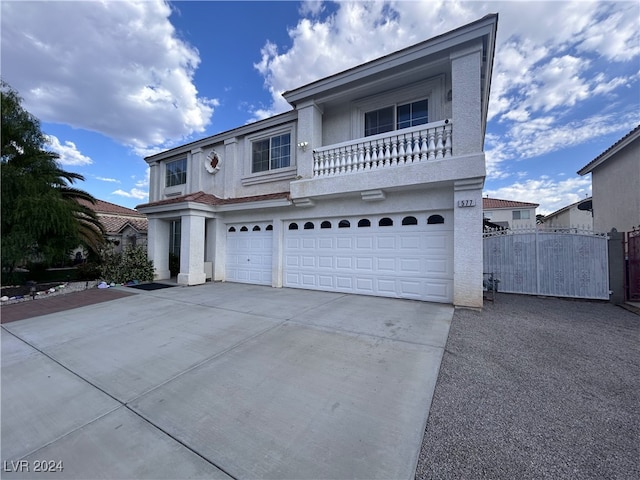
(222, 381)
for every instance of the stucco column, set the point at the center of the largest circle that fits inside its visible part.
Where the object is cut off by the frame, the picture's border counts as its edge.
(158, 247)
(466, 102)
(192, 250)
(231, 169)
(467, 243)
(154, 181)
(310, 132)
(219, 250)
(194, 182)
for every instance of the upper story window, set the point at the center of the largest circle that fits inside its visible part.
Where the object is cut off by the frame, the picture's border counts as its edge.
(396, 117)
(271, 153)
(521, 215)
(176, 173)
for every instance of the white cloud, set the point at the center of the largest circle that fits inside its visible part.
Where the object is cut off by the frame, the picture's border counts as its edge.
(117, 68)
(543, 135)
(551, 194)
(69, 153)
(109, 180)
(133, 193)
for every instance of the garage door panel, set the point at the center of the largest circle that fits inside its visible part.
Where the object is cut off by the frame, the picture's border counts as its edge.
(440, 266)
(386, 264)
(325, 243)
(410, 265)
(308, 243)
(364, 263)
(344, 282)
(308, 280)
(325, 262)
(411, 288)
(364, 242)
(364, 286)
(410, 242)
(386, 242)
(344, 263)
(344, 243)
(326, 281)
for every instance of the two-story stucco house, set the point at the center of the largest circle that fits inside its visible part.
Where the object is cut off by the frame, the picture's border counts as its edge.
(615, 176)
(509, 213)
(371, 184)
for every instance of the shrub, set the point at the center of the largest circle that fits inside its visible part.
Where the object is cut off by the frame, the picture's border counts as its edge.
(88, 271)
(126, 266)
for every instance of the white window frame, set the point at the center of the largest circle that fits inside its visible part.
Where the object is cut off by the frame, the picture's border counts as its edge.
(167, 176)
(432, 90)
(271, 175)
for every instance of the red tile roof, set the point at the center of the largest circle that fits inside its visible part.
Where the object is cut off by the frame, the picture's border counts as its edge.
(208, 199)
(491, 203)
(102, 207)
(116, 224)
(115, 217)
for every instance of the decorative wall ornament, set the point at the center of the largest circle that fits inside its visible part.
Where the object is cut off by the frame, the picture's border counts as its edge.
(213, 162)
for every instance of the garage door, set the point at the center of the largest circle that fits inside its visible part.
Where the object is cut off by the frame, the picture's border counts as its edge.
(402, 256)
(249, 253)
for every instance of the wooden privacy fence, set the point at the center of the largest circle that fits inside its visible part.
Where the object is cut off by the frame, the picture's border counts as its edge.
(559, 262)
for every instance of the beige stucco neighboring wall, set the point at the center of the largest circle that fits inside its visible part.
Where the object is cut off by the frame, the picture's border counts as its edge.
(616, 191)
(571, 217)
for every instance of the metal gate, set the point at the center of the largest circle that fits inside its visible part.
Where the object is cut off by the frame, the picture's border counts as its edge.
(633, 265)
(554, 262)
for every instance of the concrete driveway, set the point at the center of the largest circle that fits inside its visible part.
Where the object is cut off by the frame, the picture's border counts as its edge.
(222, 381)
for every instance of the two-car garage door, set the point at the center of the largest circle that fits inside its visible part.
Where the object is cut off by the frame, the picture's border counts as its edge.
(403, 256)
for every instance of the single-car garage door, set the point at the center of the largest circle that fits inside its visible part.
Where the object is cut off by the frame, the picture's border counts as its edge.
(249, 253)
(402, 256)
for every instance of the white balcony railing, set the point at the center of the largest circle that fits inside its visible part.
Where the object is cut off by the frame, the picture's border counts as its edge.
(431, 141)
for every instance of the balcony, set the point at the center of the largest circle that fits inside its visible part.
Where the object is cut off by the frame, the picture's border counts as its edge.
(408, 146)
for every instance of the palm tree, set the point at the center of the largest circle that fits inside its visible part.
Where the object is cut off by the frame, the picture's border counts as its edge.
(39, 206)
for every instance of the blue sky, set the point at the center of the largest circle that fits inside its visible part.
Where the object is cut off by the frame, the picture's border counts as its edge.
(115, 81)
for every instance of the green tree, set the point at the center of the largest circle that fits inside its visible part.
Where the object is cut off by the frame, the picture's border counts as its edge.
(40, 213)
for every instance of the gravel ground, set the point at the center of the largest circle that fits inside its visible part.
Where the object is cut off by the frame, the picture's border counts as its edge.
(534, 388)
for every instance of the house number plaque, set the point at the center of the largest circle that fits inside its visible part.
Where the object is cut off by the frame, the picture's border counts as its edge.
(466, 203)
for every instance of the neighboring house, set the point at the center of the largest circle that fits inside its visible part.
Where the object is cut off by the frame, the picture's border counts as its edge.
(615, 180)
(571, 216)
(509, 213)
(123, 226)
(371, 184)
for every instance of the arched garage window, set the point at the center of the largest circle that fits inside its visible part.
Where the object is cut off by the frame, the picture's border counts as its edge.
(256, 228)
(244, 229)
(365, 222)
(325, 224)
(344, 224)
(293, 226)
(409, 221)
(232, 229)
(385, 222)
(309, 226)
(269, 227)
(435, 219)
